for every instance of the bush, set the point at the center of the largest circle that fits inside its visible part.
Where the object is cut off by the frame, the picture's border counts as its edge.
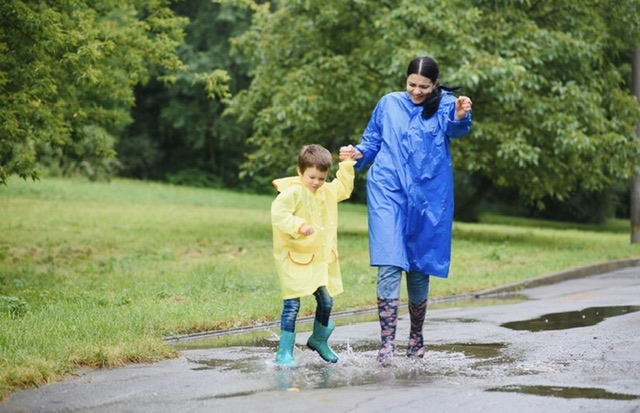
(195, 178)
(584, 207)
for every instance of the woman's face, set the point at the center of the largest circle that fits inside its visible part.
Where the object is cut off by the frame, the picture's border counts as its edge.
(419, 87)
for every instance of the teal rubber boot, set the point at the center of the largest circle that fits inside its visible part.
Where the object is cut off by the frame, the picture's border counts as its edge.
(284, 356)
(318, 341)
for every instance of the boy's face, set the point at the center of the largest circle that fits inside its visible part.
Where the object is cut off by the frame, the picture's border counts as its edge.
(312, 178)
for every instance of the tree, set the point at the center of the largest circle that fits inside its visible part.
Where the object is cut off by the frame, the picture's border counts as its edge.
(549, 80)
(635, 181)
(67, 73)
(179, 133)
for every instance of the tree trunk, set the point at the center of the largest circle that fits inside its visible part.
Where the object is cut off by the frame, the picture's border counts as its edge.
(635, 184)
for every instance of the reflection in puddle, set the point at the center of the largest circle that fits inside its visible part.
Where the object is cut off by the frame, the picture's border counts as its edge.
(470, 350)
(354, 369)
(566, 392)
(570, 319)
(357, 366)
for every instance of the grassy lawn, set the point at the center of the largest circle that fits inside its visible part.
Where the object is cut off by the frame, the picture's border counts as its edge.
(95, 274)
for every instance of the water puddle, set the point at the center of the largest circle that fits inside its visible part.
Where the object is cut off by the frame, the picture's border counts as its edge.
(566, 392)
(251, 353)
(354, 369)
(469, 350)
(571, 319)
(248, 356)
(357, 366)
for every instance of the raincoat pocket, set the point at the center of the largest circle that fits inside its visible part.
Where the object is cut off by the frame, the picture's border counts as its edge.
(301, 258)
(298, 274)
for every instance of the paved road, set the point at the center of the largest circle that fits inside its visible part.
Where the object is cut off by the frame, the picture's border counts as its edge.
(570, 346)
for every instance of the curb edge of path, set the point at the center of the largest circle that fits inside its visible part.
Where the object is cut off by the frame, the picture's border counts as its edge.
(565, 275)
(570, 274)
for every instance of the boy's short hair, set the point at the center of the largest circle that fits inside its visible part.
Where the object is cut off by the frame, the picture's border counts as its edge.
(314, 156)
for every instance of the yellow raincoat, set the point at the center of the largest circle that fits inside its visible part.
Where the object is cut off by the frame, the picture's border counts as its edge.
(305, 263)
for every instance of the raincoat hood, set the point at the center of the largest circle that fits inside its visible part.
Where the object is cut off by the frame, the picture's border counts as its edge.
(282, 184)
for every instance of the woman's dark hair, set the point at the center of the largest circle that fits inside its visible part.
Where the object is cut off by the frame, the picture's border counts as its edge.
(427, 67)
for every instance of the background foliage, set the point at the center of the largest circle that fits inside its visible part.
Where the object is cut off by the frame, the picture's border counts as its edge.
(179, 134)
(553, 113)
(67, 73)
(223, 93)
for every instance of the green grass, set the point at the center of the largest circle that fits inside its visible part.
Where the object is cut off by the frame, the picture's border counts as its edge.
(96, 274)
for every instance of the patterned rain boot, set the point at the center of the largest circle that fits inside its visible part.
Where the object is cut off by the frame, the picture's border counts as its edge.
(416, 342)
(388, 315)
(284, 356)
(318, 341)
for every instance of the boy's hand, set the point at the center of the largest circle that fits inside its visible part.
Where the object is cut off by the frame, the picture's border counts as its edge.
(349, 153)
(306, 230)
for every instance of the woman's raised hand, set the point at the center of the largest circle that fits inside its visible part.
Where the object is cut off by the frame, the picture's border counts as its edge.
(463, 106)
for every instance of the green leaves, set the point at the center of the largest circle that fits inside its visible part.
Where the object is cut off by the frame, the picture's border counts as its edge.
(179, 134)
(69, 68)
(549, 79)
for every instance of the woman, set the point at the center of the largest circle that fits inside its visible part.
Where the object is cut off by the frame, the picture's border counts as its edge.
(410, 193)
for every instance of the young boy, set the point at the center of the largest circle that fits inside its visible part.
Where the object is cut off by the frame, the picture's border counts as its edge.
(304, 217)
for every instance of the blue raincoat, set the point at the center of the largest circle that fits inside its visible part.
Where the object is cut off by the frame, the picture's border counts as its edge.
(410, 183)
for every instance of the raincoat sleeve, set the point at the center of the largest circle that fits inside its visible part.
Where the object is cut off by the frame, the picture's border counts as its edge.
(282, 212)
(371, 140)
(457, 128)
(344, 180)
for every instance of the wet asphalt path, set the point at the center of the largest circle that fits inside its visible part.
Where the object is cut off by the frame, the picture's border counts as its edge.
(569, 346)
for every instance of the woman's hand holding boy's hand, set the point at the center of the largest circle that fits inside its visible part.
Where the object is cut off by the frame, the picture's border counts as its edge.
(349, 153)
